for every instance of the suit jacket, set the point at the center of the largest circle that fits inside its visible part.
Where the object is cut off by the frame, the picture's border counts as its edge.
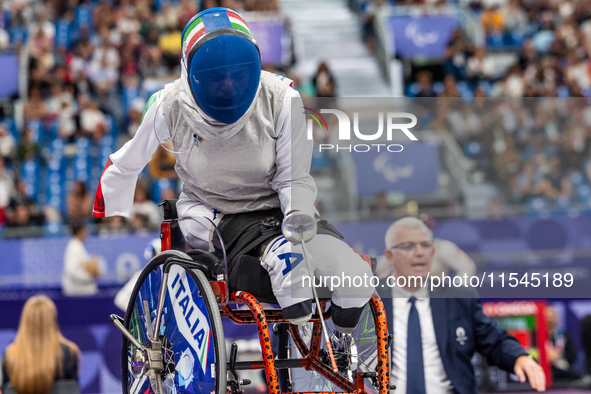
(462, 328)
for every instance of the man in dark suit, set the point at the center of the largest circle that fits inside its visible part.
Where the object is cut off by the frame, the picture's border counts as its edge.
(436, 333)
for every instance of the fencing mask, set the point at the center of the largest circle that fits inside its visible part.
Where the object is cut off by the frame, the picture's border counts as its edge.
(223, 63)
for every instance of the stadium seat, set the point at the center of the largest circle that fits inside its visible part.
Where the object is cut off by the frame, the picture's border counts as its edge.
(486, 87)
(18, 34)
(577, 178)
(583, 192)
(563, 202)
(438, 87)
(11, 127)
(36, 127)
(413, 89)
(536, 204)
(320, 161)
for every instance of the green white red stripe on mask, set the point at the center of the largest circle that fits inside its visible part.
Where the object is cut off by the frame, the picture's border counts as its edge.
(198, 28)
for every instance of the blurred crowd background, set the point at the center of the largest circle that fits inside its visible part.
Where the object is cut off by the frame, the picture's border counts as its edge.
(85, 70)
(503, 163)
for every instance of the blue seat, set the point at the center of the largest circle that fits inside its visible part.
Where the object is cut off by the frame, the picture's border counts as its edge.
(563, 202)
(495, 40)
(36, 127)
(62, 33)
(84, 16)
(114, 127)
(486, 87)
(52, 131)
(438, 87)
(577, 178)
(517, 38)
(30, 173)
(473, 149)
(129, 94)
(413, 89)
(320, 161)
(583, 192)
(536, 204)
(160, 185)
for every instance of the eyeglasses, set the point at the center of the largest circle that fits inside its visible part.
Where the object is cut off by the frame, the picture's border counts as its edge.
(410, 246)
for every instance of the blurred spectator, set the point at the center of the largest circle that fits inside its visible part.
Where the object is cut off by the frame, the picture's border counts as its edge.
(187, 10)
(66, 119)
(448, 256)
(170, 46)
(556, 184)
(479, 67)
(54, 101)
(135, 114)
(35, 106)
(44, 24)
(514, 18)
(495, 208)
(162, 163)
(507, 160)
(368, 11)
(526, 183)
(39, 355)
(6, 186)
(80, 269)
(27, 149)
(586, 341)
(140, 224)
(7, 145)
(425, 79)
(324, 81)
(493, 21)
(40, 44)
(528, 55)
(168, 194)
(381, 206)
(21, 14)
(456, 55)
(4, 39)
(168, 17)
(79, 203)
(22, 211)
(114, 225)
(261, 5)
(450, 88)
(145, 213)
(561, 351)
(93, 122)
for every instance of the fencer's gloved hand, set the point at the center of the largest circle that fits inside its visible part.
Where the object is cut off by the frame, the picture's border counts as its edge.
(297, 224)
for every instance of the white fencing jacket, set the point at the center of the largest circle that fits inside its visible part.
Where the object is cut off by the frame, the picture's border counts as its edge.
(262, 161)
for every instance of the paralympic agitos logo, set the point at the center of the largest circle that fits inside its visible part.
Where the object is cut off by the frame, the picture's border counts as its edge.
(344, 124)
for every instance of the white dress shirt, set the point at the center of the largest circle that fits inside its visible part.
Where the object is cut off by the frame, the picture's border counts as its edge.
(76, 280)
(436, 380)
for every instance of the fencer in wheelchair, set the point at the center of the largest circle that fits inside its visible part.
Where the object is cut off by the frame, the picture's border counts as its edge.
(247, 210)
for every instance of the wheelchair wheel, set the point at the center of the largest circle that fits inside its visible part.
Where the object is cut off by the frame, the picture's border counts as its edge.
(193, 345)
(360, 356)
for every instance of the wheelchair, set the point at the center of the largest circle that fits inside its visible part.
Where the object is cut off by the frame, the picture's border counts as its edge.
(173, 338)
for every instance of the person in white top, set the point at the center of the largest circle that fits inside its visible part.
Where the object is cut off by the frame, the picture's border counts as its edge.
(240, 143)
(80, 269)
(436, 334)
(448, 256)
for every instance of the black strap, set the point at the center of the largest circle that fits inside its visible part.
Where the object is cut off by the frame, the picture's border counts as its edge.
(245, 233)
(169, 209)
